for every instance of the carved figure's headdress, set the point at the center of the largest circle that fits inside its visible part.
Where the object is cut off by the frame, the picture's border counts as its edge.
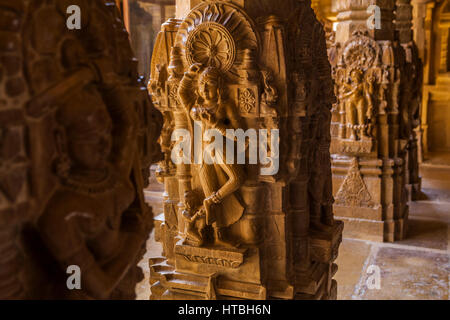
(358, 72)
(210, 75)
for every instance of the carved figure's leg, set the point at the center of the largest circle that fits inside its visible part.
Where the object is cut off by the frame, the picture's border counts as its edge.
(210, 184)
(236, 178)
(220, 238)
(361, 117)
(351, 118)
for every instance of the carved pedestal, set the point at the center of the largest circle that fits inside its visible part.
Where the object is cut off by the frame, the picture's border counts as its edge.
(360, 186)
(374, 146)
(260, 227)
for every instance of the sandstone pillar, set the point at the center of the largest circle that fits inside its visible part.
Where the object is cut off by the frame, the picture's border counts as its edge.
(410, 99)
(240, 230)
(77, 136)
(434, 17)
(368, 148)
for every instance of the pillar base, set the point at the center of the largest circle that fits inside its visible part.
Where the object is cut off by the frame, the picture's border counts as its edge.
(210, 273)
(372, 230)
(369, 199)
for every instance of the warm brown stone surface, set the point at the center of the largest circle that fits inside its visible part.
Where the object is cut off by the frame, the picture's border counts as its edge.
(409, 269)
(374, 147)
(414, 268)
(154, 249)
(430, 232)
(234, 230)
(77, 136)
(431, 28)
(352, 256)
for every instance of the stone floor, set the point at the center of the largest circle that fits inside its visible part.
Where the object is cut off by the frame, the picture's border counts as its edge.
(416, 268)
(153, 250)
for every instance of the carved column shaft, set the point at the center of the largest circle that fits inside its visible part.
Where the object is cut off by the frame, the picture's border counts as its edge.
(77, 136)
(403, 20)
(368, 143)
(245, 231)
(355, 14)
(15, 198)
(410, 98)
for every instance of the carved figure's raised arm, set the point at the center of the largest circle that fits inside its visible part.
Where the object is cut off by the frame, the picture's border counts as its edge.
(187, 88)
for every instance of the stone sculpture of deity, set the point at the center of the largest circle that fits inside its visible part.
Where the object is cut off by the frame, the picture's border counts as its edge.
(357, 103)
(201, 92)
(90, 221)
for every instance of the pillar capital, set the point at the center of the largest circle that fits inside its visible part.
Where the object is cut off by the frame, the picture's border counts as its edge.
(374, 16)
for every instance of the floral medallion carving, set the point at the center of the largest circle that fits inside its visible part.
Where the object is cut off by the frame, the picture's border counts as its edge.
(361, 52)
(218, 35)
(211, 45)
(247, 100)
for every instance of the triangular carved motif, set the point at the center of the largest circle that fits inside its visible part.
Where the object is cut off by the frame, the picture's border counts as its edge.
(353, 191)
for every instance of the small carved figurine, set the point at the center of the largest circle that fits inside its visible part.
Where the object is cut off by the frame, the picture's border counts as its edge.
(195, 216)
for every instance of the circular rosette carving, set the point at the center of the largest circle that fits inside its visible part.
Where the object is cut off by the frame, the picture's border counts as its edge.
(211, 45)
(216, 35)
(361, 52)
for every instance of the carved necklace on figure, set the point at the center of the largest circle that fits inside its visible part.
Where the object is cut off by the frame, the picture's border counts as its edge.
(79, 182)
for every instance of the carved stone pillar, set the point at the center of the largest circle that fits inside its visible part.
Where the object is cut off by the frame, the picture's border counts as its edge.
(368, 159)
(436, 76)
(14, 158)
(355, 15)
(423, 30)
(77, 136)
(241, 230)
(410, 98)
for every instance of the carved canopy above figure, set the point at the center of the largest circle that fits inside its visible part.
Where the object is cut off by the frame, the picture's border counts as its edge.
(217, 34)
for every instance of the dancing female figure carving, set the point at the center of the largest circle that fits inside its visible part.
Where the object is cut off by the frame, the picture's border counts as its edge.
(219, 181)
